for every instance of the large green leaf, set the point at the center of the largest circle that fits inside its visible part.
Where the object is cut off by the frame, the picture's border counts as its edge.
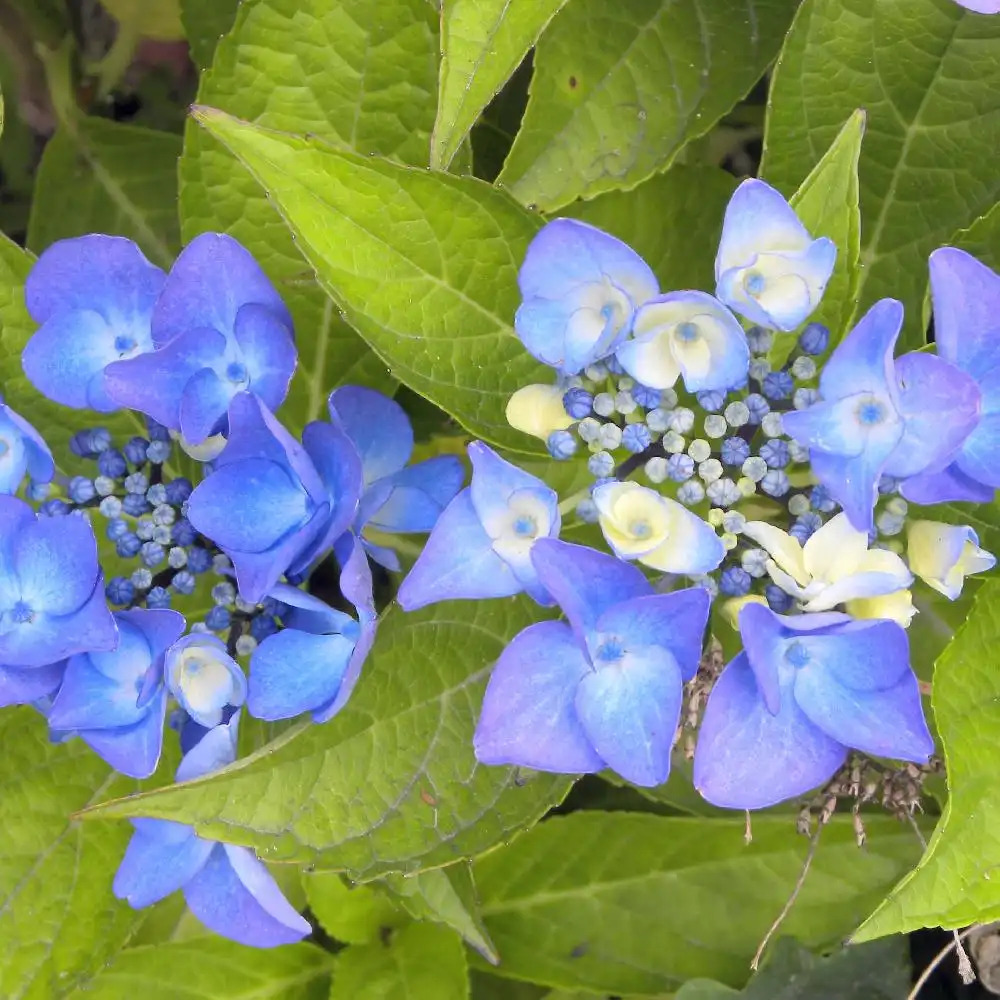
(926, 77)
(419, 962)
(982, 238)
(637, 903)
(958, 879)
(157, 19)
(210, 968)
(423, 264)
(98, 176)
(482, 43)
(359, 74)
(59, 922)
(354, 914)
(827, 203)
(204, 24)
(391, 783)
(673, 221)
(619, 89)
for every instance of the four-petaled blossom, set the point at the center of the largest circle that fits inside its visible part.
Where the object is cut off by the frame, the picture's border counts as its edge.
(835, 566)
(273, 505)
(768, 268)
(204, 678)
(481, 545)
(22, 450)
(876, 417)
(219, 328)
(943, 555)
(225, 886)
(94, 297)
(314, 662)
(580, 288)
(806, 689)
(538, 410)
(966, 299)
(659, 532)
(604, 690)
(116, 701)
(396, 498)
(686, 334)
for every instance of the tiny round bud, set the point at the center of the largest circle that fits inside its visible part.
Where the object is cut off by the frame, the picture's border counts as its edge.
(110, 507)
(775, 452)
(737, 413)
(104, 485)
(814, 339)
(754, 561)
(119, 590)
(759, 369)
(715, 517)
(803, 398)
(218, 619)
(673, 442)
(735, 581)
(724, 492)
(777, 600)
(604, 404)
(656, 470)
(587, 511)
(588, 429)
(184, 581)
(759, 340)
(778, 385)
(577, 403)
(734, 522)
(775, 483)
(691, 492)
(601, 465)
(680, 468)
(142, 578)
(128, 545)
(158, 598)
(658, 420)
(711, 400)
(245, 645)
(682, 420)
(624, 402)
(758, 406)
(699, 449)
(715, 425)
(803, 368)
(636, 438)
(224, 594)
(710, 470)
(798, 504)
(561, 445)
(177, 557)
(755, 468)
(771, 425)
(610, 437)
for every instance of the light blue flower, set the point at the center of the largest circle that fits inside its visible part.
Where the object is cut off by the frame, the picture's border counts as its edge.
(806, 689)
(686, 334)
(219, 328)
(580, 288)
(94, 297)
(116, 701)
(22, 450)
(204, 678)
(273, 505)
(604, 690)
(481, 544)
(768, 268)
(314, 662)
(396, 498)
(225, 886)
(943, 555)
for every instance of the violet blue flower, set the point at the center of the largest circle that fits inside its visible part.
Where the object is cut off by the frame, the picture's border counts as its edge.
(22, 450)
(226, 887)
(204, 678)
(604, 690)
(806, 689)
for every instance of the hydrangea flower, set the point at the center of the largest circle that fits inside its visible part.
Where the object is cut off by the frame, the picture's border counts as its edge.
(225, 886)
(116, 701)
(638, 523)
(22, 450)
(51, 589)
(204, 678)
(943, 555)
(806, 689)
(768, 268)
(94, 298)
(219, 328)
(980, 6)
(876, 417)
(481, 544)
(580, 289)
(538, 410)
(966, 299)
(314, 662)
(686, 334)
(396, 498)
(835, 566)
(273, 505)
(604, 690)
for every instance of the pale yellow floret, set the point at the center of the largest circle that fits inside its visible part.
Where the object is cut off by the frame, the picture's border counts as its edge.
(538, 410)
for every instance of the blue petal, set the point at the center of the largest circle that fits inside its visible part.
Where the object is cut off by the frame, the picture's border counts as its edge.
(38, 457)
(203, 406)
(747, 758)
(585, 583)
(629, 711)
(293, 672)
(133, 750)
(458, 561)
(89, 699)
(160, 626)
(308, 613)
(244, 904)
(852, 482)
(55, 560)
(862, 362)
(528, 716)
(419, 493)
(830, 427)
(214, 750)
(23, 685)
(377, 426)
(675, 621)
(210, 280)
(979, 457)
(966, 299)
(939, 404)
(863, 654)
(153, 868)
(494, 480)
(268, 351)
(125, 665)
(948, 484)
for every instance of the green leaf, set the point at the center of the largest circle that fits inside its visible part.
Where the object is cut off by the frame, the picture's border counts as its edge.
(392, 246)
(59, 922)
(638, 903)
(982, 238)
(362, 77)
(933, 105)
(355, 914)
(620, 88)
(956, 882)
(681, 254)
(204, 24)
(391, 783)
(487, 987)
(156, 19)
(210, 968)
(98, 176)
(482, 43)
(446, 896)
(827, 203)
(420, 962)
